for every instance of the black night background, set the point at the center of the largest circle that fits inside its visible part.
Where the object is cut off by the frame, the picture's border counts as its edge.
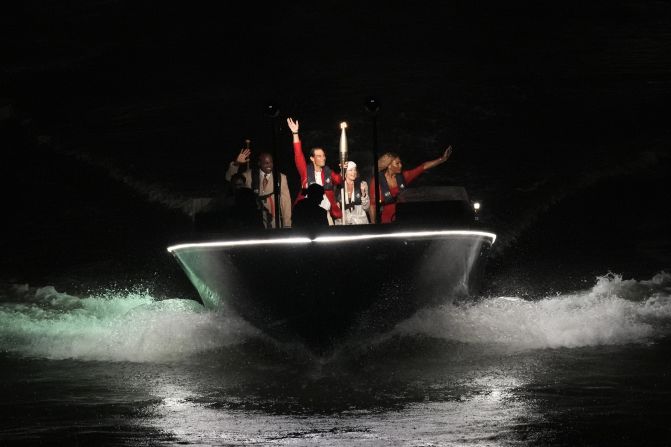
(117, 117)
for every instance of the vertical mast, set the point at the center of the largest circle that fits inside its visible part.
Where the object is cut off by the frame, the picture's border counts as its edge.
(343, 166)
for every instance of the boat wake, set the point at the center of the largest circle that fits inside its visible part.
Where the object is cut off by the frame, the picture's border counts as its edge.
(613, 312)
(112, 326)
(133, 326)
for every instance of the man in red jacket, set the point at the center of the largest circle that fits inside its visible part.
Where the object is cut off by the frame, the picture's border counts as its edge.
(316, 172)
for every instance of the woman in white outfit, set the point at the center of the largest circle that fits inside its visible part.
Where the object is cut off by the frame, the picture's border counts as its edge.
(357, 200)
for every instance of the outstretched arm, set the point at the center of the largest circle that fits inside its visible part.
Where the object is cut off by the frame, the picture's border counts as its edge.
(299, 158)
(293, 125)
(438, 161)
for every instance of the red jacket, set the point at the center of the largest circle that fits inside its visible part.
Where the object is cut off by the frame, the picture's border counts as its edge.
(389, 209)
(302, 167)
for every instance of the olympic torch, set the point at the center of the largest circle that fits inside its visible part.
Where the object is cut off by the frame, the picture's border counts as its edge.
(343, 166)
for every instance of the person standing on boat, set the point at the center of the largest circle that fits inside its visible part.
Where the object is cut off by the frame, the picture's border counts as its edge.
(316, 172)
(245, 213)
(357, 200)
(236, 182)
(308, 213)
(392, 181)
(261, 181)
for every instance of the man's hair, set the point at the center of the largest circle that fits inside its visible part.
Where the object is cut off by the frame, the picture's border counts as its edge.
(261, 154)
(312, 151)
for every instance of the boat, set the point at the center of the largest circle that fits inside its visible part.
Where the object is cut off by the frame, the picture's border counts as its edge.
(326, 287)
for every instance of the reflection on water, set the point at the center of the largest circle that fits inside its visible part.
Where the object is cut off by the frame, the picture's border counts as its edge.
(586, 367)
(477, 419)
(406, 391)
(456, 395)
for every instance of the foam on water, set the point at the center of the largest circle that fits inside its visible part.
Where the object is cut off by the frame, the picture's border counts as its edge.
(614, 311)
(134, 326)
(111, 326)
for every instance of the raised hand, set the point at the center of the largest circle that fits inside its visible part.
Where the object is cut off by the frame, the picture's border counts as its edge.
(440, 160)
(447, 153)
(293, 125)
(243, 156)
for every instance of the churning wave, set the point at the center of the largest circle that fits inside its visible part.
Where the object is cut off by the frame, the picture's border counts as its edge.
(614, 311)
(112, 326)
(134, 326)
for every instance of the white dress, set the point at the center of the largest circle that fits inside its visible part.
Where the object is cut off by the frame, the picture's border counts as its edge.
(355, 215)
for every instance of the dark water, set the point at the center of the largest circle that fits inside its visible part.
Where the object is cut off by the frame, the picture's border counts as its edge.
(428, 393)
(567, 344)
(114, 115)
(101, 341)
(588, 367)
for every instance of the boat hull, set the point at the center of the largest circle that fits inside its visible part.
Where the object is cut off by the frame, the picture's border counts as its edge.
(327, 288)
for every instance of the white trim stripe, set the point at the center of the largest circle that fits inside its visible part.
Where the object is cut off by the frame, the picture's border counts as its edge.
(328, 239)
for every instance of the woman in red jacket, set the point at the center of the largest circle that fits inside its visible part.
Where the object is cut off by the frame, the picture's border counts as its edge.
(392, 181)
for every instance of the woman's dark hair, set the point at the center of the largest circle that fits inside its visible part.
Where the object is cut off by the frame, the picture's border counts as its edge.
(385, 160)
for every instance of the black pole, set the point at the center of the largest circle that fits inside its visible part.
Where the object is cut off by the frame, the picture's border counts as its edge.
(373, 107)
(273, 112)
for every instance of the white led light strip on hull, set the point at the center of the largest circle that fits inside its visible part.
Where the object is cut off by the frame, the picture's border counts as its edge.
(320, 239)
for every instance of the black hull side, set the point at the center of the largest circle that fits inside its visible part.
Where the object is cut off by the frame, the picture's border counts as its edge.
(322, 293)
